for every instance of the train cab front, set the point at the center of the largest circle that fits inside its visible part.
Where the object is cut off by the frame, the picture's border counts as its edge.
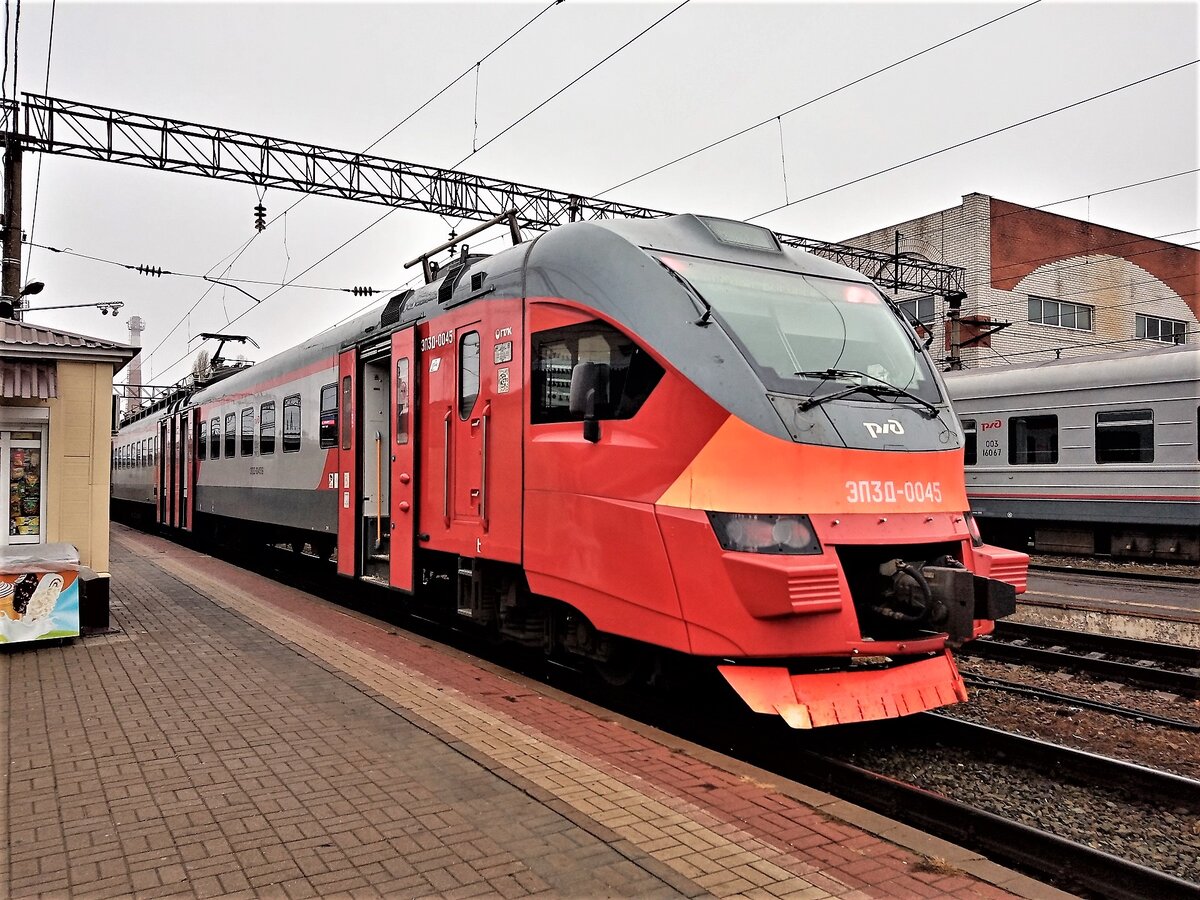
(815, 520)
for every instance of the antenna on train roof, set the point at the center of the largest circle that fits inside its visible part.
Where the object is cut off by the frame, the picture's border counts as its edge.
(430, 269)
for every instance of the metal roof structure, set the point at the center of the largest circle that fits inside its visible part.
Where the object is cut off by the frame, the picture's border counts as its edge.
(21, 341)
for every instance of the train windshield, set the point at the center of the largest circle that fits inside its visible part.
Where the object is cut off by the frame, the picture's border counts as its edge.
(796, 328)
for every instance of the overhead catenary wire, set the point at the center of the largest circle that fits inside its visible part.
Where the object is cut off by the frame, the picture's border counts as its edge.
(977, 138)
(493, 138)
(573, 82)
(237, 254)
(37, 184)
(816, 99)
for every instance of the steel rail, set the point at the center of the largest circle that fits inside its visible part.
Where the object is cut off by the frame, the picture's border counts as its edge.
(1067, 862)
(1028, 690)
(1183, 683)
(1164, 577)
(1130, 648)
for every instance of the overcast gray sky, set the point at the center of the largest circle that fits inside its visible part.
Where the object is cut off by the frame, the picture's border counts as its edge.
(342, 74)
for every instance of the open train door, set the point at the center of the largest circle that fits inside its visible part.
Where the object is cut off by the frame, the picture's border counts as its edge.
(188, 426)
(403, 452)
(163, 507)
(345, 477)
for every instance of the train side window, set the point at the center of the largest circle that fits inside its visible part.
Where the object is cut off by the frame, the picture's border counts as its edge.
(230, 434)
(468, 373)
(141, 453)
(291, 423)
(202, 441)
(1033, 440)
(971, 447)
(1126, 436)
(248, 431)
(266, 428)
(628, 373)
(402, 401)
(328, 433)
(214, 438)
(347, 397)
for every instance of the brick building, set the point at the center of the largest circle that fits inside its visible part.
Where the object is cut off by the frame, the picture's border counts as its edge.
(1068, 287)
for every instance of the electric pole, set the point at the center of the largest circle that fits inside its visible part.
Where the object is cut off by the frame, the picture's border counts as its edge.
(10, 269)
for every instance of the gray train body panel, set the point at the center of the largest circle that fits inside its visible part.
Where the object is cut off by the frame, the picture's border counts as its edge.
(1156, 388)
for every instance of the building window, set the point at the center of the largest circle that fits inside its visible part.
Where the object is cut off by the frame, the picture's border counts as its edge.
(1060, 313)
(1126, 436)
(625, 376)
(327, 433)
(202, 441)
(266, 428)
(214, 438)
(923, 309)
(971, 447)
(248, 431)
(1156, 328)
(1033, 440)
(230, 434)
(291, 423)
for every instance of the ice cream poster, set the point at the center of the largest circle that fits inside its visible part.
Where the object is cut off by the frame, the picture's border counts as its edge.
(38, 605)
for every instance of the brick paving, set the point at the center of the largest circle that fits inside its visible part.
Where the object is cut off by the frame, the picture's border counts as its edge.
(241, 738)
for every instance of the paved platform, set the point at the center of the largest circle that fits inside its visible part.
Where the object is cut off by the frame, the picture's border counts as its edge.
(240, 738)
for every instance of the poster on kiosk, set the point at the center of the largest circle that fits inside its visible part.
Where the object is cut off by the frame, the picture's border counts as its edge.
(39, 593)
(39, 582)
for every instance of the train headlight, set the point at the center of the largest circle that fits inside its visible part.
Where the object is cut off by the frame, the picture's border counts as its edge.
(748, 533)
(973, 528)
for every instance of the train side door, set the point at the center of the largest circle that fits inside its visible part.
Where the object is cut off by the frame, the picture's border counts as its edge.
(471, 426)
(164, 472)
(403, 460)
(191, 432)
(374, 414)
(183, 433)
(345, 479)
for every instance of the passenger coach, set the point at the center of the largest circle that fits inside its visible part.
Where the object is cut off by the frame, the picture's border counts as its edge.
(1097, 455)
(622, 442)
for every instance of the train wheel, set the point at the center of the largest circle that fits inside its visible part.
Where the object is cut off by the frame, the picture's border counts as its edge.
(627, 665)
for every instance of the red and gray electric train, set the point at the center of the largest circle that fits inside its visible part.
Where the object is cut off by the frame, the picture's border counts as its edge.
(619, 441)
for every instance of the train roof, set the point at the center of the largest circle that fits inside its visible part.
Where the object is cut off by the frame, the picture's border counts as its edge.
(1151, 366)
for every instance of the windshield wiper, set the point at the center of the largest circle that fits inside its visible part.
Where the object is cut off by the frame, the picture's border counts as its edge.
(706, 316)
(881, 388)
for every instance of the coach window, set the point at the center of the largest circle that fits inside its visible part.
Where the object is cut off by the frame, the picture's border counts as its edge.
(266, 428)
(1033, 440)
(1126, 436)
(248, 431)
(328, 432)
(627, 372)
(202, 441)
(291, 423)
(230, 434)
(214, 438)
(468, 374)
(402, 401)
(347, 396)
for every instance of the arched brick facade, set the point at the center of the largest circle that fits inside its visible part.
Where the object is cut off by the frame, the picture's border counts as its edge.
(1024, 239)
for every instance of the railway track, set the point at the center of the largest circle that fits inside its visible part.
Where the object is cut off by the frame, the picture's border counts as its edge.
(1074, 700)
(1120, 574)
(806, 758)
(1161, 667)
(1067, 862)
